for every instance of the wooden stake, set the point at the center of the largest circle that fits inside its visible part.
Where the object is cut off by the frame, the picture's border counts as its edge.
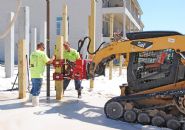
(111, 36)
(22, 68)
(120, 64)
(92, 30)
(59, 55)
(65, 23)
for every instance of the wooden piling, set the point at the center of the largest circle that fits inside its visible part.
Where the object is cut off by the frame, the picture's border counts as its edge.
(111, 36)
(59, 55)
(22, 68)
(92, 30)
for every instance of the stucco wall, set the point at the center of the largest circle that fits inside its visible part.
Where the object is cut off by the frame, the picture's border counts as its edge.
(79, 10)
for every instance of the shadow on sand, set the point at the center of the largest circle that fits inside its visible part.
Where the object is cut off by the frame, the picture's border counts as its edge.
(80, 110)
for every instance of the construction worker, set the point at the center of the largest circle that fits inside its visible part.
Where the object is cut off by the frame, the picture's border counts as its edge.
(72, 55)
(38, 61)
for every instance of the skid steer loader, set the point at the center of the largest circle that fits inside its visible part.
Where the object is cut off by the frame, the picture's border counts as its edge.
(155, 92)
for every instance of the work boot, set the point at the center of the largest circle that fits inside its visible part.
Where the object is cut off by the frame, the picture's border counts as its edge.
(80, 92)
(30, 97)
(35, 101)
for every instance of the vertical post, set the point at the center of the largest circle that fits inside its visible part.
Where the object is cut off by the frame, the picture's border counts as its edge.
(33, 39)
(22, 68)
(24, 27)
(59, 51)
(9, 49)
(111, 25)
(59, 55)
(27, 31)
(92, 31)
(124, 37)
(65, 23)
(120, 64)
(43, 33)
(48, 46)
(111, 36)
(124, 21)
(23, 49)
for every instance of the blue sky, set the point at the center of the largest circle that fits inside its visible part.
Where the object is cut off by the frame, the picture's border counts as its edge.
(163, 15)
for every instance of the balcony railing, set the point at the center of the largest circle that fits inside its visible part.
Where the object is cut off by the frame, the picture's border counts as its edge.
(112, 3)
(109, 6)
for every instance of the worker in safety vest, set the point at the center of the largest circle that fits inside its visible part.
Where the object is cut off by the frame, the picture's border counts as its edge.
(38, 61)
(71, 55)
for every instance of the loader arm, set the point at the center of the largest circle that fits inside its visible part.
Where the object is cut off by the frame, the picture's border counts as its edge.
(115, 49)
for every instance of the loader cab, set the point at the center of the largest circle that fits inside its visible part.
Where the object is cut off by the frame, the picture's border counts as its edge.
(147, 70)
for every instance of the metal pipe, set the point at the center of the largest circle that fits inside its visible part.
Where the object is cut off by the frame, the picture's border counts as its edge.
(48, 45)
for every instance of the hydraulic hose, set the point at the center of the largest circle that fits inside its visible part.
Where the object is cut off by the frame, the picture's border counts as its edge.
(81, 44)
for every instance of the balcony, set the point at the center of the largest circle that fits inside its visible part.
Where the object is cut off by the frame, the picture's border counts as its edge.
(112, 3)
(118, 7)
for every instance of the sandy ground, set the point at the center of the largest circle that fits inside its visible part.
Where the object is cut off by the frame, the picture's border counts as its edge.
(70, 113)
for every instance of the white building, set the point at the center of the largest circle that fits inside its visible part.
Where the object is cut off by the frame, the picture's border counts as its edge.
(127, 17)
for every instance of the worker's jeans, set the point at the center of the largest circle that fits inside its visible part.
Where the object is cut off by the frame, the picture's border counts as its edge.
(77, 84)
(36, 86)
